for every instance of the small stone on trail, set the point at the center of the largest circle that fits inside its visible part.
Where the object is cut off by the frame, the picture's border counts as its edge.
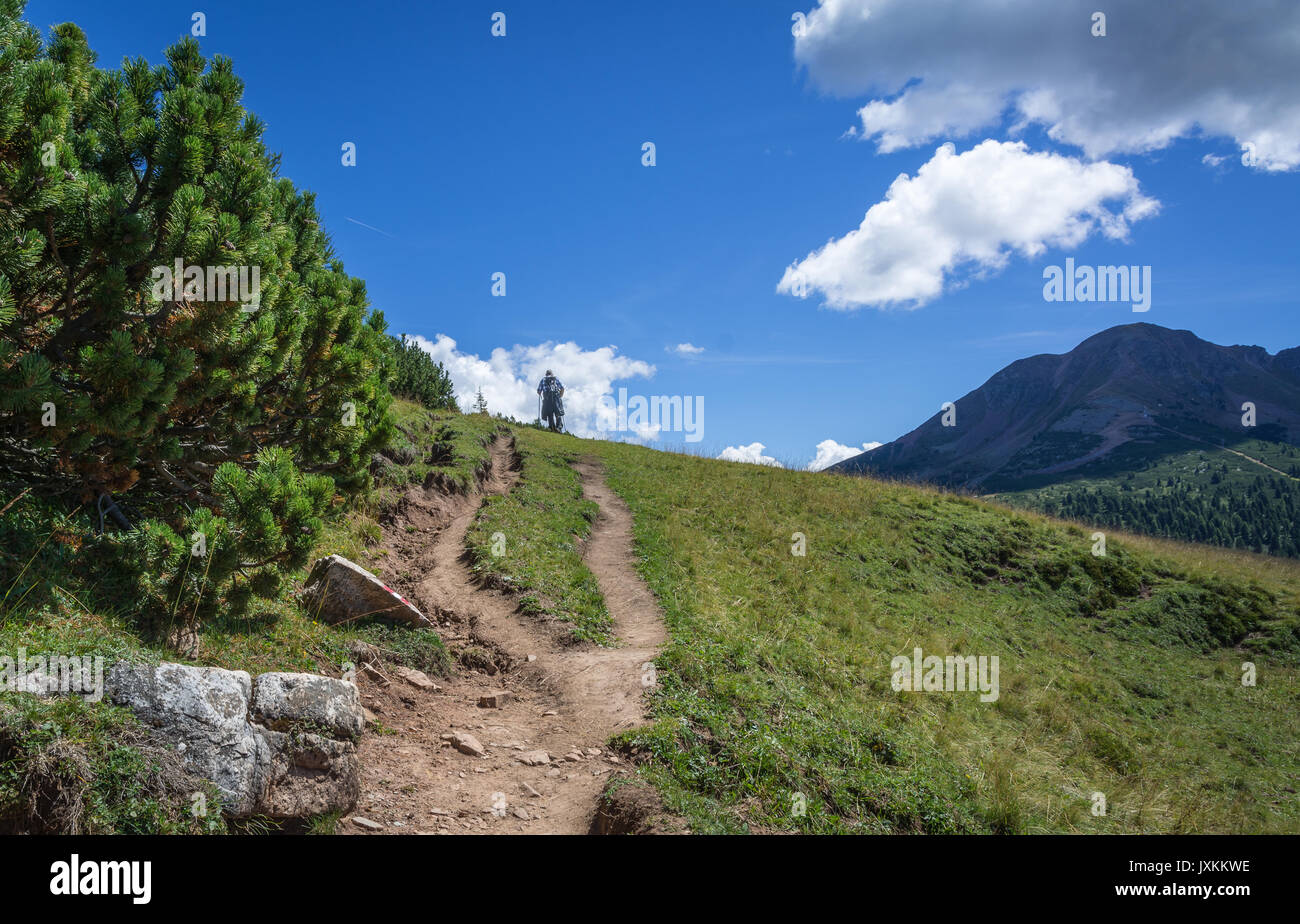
(466, 744)
(494, 700)
(418, 679)
(366, 823)
(533, 758)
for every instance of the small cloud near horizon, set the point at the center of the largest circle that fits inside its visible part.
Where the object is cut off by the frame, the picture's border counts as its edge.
(829, 452)
(753, 454)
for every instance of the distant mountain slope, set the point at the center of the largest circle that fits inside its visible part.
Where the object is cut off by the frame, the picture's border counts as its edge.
(1138, 391)
(1244, 497)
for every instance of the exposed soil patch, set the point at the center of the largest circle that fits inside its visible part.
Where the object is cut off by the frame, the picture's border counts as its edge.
(633, 807)
(532, 758)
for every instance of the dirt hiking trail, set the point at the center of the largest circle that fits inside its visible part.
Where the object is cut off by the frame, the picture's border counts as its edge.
(536, 762)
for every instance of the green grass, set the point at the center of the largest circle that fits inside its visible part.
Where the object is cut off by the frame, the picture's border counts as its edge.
(537, 526)
(1119, 675)
(74, 767)
(445, 448)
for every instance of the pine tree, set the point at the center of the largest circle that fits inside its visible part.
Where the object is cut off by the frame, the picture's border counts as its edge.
(419, 378)
(107, 386)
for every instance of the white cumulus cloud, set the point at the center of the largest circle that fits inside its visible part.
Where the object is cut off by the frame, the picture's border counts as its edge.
(685, 349)
(829, 452)
(967, 213)
(752, 453)
(944, 69)
(509, 377)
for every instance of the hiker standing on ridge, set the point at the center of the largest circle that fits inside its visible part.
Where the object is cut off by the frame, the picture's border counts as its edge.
(551, 392)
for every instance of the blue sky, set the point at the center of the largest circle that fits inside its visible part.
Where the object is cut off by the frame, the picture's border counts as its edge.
(523, 155)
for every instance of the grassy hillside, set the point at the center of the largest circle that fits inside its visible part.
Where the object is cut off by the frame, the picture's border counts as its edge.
(538, 522)
(1119, 675)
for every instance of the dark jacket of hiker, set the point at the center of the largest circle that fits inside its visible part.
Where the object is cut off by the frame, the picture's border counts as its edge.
(552, 391)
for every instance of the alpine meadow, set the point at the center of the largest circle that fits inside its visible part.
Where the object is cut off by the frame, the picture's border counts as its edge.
(444, 543)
